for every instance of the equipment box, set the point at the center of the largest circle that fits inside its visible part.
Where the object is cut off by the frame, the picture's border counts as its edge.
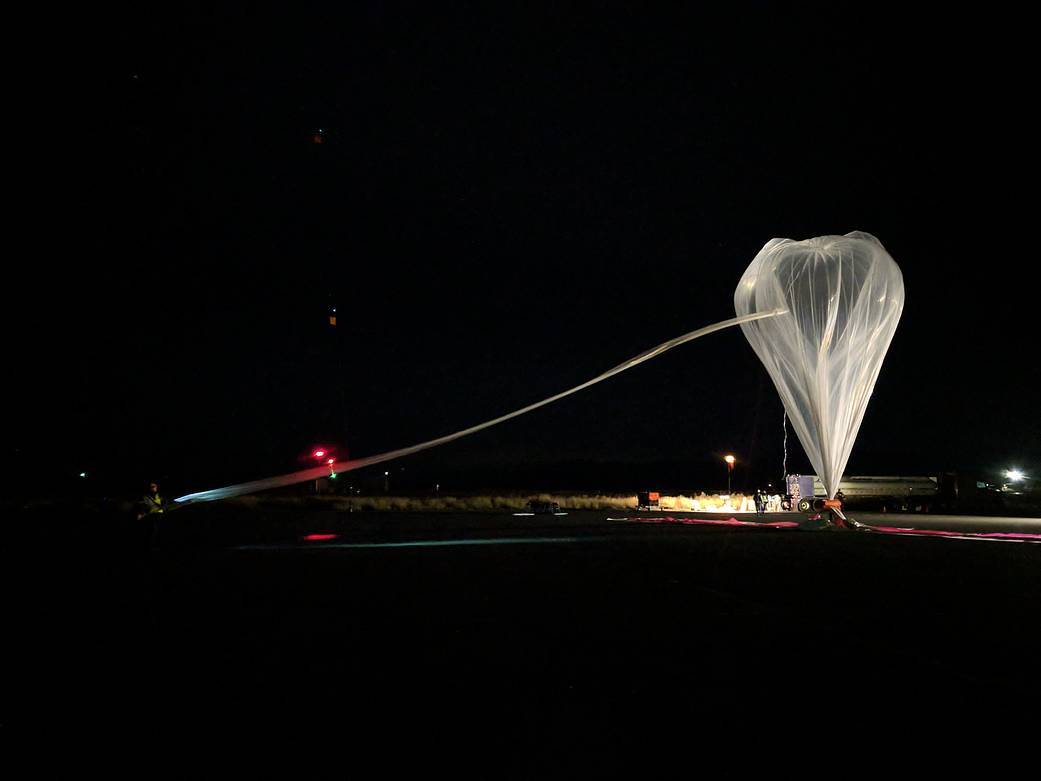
(800, 492)
(648, 500)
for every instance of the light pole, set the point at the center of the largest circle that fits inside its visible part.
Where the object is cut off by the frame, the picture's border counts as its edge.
(730, 468)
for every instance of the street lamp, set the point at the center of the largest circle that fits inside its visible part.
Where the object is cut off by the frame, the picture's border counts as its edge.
(730, 469)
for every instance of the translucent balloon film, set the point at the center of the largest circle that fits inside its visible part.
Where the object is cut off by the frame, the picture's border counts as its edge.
(843, 296)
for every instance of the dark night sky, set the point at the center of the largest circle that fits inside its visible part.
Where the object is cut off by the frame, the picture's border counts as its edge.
(506, 204)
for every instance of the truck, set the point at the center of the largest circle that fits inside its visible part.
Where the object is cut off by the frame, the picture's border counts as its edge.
(899, 493)
(947, 492)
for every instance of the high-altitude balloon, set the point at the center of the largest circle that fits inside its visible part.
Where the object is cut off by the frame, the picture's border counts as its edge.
(843, 296)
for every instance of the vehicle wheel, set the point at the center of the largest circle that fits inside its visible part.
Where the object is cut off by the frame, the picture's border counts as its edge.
(805, 505)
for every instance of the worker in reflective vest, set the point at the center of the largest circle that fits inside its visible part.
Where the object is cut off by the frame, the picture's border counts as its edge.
(152, 506)
(151, 502)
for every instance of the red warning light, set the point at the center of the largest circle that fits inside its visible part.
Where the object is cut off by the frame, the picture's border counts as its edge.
(319, 453)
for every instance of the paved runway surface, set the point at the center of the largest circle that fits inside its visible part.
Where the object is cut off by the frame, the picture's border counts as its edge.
(570, 631)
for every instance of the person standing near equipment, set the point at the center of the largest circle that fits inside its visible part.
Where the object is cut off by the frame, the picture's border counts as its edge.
(760, 501)
(152, 505)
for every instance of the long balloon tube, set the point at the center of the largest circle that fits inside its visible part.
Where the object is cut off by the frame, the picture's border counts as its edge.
(315, 473)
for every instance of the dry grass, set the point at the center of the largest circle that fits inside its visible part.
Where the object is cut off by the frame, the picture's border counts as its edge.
(515, 503)
(441, 503)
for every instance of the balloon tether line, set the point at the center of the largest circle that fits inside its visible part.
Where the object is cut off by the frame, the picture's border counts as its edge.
(315, 473)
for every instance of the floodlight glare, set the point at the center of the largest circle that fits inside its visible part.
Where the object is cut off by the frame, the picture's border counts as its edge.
(1014, 474)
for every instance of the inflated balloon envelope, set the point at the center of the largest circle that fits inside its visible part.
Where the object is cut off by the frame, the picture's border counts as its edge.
(843, 296)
